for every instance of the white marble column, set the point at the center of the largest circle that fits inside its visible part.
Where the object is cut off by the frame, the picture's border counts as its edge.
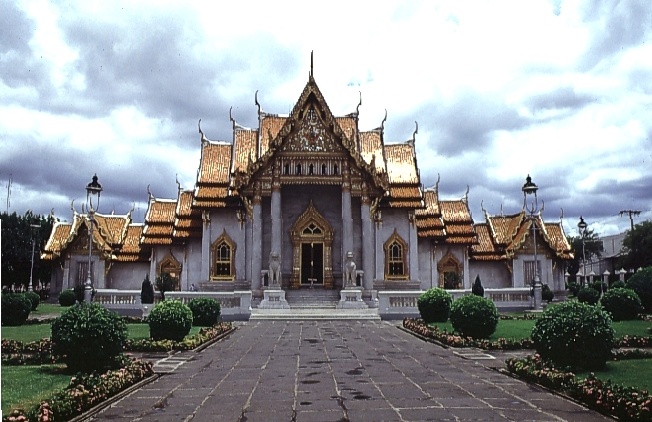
(414, 248)
(257, 241)
(367, 243)
(277, 221)
(347, 218)
(205, 246)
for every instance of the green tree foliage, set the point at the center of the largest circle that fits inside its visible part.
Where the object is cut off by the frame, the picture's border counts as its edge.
(477, 288)
(164, 283)
(146, 291)
(592, 249)
(17, 248)
(205, 311)
(637, 247)
(622, 304)
(641, 283)
(474, 316)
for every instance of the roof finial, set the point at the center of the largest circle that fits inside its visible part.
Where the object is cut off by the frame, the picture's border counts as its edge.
(501, 209)
(149, 193)
(133, 207)
(72, 207)
(312, 75)
(231, 117)
(257, 103)
(357, 109)
(466, 195)
(382, 124)
(203, 137)
(416, 130)
(482, 207)
(176, 177)
(562, 215)
(437, 184)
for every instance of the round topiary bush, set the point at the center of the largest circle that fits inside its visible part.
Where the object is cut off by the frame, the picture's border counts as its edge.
(574, 334)
(547, 294)
(641, 283)
(573, 287)
(15, 309)
(205, 311)
(617, 285)
(434, 305)
(34, 298)
(474, 316)
(170, 320)
(622, 304)
(67, 298)
(588, 295)
(599, 286)
(89, 337)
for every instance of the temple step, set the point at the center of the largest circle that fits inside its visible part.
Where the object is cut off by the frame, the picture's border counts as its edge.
(315, 314)
(312, 298)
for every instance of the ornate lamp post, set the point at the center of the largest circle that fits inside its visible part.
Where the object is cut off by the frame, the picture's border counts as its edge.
(581, 227)
(530, 188)
(30, 286)
(92, 189)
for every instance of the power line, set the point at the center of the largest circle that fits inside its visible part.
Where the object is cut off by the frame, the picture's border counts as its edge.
(631, 213)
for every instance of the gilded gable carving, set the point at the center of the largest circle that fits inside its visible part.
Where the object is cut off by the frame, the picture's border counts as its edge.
(312, 136)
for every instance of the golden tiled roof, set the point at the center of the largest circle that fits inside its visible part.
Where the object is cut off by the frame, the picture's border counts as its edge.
(270, 125)
(558, 238)
(371, 149)
(113, 228)
(211, 192)
(156, 240)
(210, 203)
(405, 192)
(184, 204)
(431, 200)
(158, 230)
(485, 250)
(215, 163)
(348, 126)
(244, 149)
(504, 228)
(57, 241)
(456, 211)
(401, 167)
(161, 211)
(131, 244)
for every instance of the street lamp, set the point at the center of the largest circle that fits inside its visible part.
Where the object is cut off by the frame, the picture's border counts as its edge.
(92, 189)
(30, 286)
(581, 227)
(530, 188)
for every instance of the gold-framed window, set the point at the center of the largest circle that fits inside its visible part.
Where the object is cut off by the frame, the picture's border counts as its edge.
(396, 258)
(223, 258)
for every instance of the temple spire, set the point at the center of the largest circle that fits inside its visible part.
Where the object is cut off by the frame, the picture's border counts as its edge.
(312, 75)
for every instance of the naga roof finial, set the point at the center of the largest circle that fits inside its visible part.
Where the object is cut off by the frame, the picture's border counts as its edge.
(312, 75)
(382, 124)
(482, 207)
(149, 194)
(357, 109)
(416, 130)
(203, 137)
(562, 215)
(257, 103)
(231, 117)
(466, 195)
(176, 177)
(437, 184)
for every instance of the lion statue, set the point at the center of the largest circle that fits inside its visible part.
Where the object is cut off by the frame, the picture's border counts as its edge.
(274, 269)
(349, 270)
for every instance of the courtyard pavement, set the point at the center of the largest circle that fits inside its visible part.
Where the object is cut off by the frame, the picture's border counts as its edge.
(336, 371)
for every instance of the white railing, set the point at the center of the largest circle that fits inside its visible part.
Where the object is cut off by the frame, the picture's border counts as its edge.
(401, 303)
(232, 304)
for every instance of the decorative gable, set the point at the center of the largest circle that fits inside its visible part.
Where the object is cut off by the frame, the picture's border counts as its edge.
(312, 135)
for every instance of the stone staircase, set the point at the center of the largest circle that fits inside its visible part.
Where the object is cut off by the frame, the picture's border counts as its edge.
(314, 304)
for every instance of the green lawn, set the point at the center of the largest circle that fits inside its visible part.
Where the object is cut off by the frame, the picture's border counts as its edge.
(27, 333)
(520, 329)
(47, 309)
(26, 386)
(632, 373)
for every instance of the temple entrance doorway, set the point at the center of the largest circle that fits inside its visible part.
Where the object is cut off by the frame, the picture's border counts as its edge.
(312, 264)
(312, 246)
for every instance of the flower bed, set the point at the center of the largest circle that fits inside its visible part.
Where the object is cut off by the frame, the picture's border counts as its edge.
(453, 340)
(40, 352)
(419, 327)
(626, 403)
(84, 392)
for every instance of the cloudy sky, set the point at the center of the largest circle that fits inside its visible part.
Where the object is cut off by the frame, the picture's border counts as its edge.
(561, 90)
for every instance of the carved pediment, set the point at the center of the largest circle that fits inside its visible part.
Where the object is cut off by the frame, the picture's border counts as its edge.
(312, 135)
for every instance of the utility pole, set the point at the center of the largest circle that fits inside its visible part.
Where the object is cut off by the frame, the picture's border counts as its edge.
(631, 214)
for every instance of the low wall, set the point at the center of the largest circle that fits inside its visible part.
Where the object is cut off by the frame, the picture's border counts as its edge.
(234, 305)
(398, 304)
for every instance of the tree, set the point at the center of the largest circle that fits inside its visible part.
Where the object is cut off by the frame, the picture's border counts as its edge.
(164, 283)
(592, 249)
(17, 234)
(637, 247)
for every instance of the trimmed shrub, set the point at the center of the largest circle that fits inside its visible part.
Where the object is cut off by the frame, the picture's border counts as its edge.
(617, 285)
(15, 309)
(641, 283)
(170, 320)
(599, 286)
(622, 304)
(164, 283)
(477, 288)
(34, 298)
(146, 291)
(67, 298)
(574, 334)
(205, 311)
(474, 316)
(547, 294)
(434, 305)
(89, 337)
(588, 295)
(574, 288)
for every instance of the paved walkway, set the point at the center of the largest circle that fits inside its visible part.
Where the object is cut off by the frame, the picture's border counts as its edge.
(335, 371)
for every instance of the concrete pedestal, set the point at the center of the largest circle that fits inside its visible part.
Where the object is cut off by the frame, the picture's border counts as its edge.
(351, 299)
(274, 299)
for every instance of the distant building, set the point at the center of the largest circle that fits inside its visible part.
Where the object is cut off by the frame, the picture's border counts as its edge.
(310, 186)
